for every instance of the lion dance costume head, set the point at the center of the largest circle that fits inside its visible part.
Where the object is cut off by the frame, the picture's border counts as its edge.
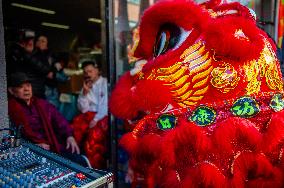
(205, 99)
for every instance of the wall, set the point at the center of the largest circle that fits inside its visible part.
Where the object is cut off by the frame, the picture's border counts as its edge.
(3, 83)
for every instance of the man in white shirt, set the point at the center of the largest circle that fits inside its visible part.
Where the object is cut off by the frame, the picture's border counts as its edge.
(90, 127)
(93, 96)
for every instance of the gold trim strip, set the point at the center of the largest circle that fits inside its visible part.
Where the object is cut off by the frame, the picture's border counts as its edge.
(196, 98)
(192, 49)
(170, 70)
(203, 66)
(185, 96)
(201, 91)
(189, 103)
(202, 74)
(180, 81)
(172, 77)
(201, 83)
(195, 55)
(183, 89)
(198, 61)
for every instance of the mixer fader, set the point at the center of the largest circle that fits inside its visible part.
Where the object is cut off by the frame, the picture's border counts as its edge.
(31, 166)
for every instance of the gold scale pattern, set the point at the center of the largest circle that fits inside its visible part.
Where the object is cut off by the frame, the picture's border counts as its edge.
(266, 67)
(189, 78)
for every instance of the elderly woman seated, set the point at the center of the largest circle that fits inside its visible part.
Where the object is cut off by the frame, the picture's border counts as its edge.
(42, 123)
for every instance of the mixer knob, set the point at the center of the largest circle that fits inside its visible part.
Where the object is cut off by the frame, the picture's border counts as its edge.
(80, 176)
(21, 181)
(57, 170)
(43, 160)
(10, 181)
(31, 180)
(17, 178)
(14, 184)
(29, 185)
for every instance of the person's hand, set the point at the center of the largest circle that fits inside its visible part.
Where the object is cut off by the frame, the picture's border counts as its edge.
(44, 146)
(71, 142)
(50, 75)
(87, 85)
(58, 66)
(92, 124)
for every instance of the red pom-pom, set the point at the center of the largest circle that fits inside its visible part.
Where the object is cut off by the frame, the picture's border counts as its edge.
(122, 104)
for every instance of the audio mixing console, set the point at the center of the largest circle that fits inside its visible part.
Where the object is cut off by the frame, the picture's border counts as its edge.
(31, 166)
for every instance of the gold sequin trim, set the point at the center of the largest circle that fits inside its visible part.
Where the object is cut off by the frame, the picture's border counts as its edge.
(265, 66)
(225, 78)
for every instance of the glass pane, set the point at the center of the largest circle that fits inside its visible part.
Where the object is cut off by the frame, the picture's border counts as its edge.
(127, 14)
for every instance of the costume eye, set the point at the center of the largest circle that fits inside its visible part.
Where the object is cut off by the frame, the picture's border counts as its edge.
(167, 38)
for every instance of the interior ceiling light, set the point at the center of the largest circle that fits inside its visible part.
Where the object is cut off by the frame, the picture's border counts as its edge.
(55, 25)
(33, 8)
(96, 20)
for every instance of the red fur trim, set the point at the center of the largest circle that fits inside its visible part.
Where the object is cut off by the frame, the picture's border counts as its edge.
(236, 130)
(242, 10)
(204, 175)
(220, 37)
(254, 170)
(126, 100)
(169, 178)
(187, 141)
(148, 148)
(129, 143)
(122, 103)
(274, 135)
(146, 101)
(211, 3)
(179, 12)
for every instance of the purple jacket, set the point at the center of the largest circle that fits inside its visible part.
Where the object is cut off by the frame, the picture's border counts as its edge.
(29, 116)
